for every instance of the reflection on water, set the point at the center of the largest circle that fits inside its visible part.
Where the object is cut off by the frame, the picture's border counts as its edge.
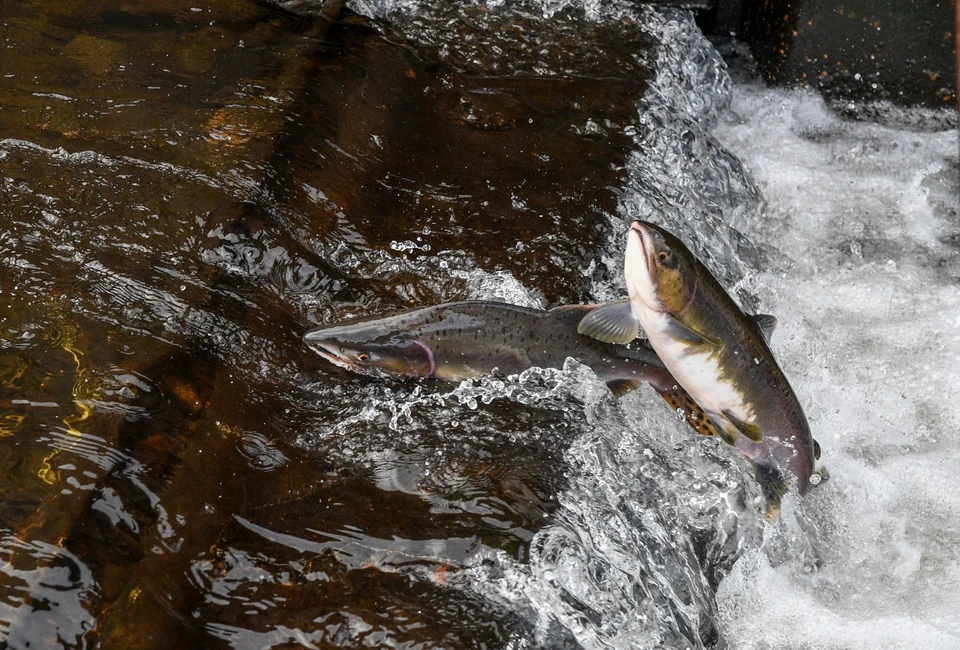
(186, 189)
(45, 591)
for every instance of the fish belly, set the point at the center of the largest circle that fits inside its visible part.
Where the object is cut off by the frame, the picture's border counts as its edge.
(698, 372)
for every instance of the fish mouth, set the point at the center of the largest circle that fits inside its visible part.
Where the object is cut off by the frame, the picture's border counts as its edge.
(647, 246)
(328, 350)
(331, 354)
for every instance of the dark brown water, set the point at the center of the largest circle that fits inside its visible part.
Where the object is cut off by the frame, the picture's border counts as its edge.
(185, 188)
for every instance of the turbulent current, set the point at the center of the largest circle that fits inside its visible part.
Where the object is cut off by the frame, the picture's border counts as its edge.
(198, 186)
(847, 231)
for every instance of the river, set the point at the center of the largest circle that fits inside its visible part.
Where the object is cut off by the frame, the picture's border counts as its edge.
(186, 189)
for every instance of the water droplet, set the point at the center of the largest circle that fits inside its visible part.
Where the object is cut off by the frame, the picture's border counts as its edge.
(856, 250)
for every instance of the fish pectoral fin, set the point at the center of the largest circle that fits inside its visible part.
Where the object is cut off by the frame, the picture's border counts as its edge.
(767, 324)
(683, 332)
(749, 429)
(612, 323)
(620, 387)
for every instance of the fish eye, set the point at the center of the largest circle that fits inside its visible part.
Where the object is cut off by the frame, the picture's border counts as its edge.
(663, 256)
(363, 356)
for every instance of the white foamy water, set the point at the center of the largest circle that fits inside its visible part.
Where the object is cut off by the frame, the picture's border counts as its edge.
(862, 227)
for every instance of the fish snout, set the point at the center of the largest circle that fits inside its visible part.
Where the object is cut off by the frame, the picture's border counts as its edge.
(327, 349)
(313, 337)
(317, 341)
(640, 270)
(644, 241)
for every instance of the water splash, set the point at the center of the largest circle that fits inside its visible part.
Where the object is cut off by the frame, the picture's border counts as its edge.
(617, 562)
(862, 218)
(618, 565)
(679, 175)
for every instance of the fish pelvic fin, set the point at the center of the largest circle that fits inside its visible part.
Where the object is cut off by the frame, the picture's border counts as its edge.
(681, 402)
(620, 387)
(724, 429)
(612, 323)
(767, 324)
(749, 429)
(683, 332)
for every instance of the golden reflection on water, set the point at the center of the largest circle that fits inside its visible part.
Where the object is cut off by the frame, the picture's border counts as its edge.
(12, 369)
(65, 337)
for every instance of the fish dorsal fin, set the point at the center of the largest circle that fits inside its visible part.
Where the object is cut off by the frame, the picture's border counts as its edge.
(620, 387)
(749, 429)
(767, 324)
(683, 332)
(612, 323)
(571, 314)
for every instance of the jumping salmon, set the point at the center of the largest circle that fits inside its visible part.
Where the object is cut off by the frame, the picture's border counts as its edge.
(719, 354)
(468, 339)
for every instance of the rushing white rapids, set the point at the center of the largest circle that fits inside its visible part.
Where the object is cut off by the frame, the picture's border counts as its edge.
(861, 224)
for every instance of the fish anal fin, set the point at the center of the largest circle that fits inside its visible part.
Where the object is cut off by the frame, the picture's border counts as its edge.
(749, 429)
(620, 387)
(612, 323)
(767, 324)
(683, 332)
(723, 429)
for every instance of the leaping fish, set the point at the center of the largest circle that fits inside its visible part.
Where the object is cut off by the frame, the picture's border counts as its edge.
(462, 340)
(716, 352)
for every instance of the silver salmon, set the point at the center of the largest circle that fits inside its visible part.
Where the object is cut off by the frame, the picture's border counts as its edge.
(719, 354)
(462, 340)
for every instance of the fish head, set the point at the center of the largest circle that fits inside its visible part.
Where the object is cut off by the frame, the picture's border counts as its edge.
(391, 355)
(660, 271)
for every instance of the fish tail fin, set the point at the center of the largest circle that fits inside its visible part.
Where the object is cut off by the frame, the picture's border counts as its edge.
(772, 486)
